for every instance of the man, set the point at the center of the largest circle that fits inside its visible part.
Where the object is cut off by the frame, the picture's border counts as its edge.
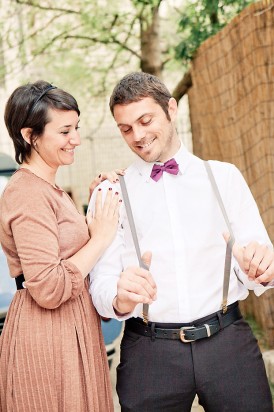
(189, 346)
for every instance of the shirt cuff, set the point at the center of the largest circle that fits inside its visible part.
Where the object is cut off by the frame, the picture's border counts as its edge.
(257, 288)
(103, 298)
(260, 289)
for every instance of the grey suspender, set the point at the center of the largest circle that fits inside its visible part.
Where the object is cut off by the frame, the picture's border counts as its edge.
(134, 236)
(230, 243)
(228, 247)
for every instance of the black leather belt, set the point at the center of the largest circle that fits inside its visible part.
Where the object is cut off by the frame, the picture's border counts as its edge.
(199, 329)
(19, 282)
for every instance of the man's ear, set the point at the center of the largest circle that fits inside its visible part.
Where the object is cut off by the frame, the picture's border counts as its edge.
(172, 108)
(26, 134)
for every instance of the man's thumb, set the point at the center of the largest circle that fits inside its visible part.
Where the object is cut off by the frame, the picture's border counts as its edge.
(146, 258)
(226, 236)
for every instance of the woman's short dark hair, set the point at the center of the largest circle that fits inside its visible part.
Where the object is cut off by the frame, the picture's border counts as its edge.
(138, 85)
(28, 106)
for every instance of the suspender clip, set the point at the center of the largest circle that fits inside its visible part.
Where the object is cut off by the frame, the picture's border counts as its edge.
(224, 306)
(145, 319)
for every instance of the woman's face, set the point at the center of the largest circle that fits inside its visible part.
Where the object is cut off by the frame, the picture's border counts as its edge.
(57, 144)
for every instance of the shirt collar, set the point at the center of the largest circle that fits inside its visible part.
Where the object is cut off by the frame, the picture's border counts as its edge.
(182, 157)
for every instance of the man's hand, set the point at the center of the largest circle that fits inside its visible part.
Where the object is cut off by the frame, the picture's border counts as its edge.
(256, 260)
(135, 285)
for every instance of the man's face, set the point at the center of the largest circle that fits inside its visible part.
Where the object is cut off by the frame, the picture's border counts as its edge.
(146, 129)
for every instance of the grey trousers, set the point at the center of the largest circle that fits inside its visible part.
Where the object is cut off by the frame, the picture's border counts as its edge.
(226, 371)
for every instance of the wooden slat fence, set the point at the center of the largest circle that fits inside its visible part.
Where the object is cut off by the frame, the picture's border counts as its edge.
(232, 115)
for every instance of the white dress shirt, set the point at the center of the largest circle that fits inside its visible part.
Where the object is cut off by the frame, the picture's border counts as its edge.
(179, 220)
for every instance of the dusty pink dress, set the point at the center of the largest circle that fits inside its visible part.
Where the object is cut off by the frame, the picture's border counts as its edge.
(52, 355)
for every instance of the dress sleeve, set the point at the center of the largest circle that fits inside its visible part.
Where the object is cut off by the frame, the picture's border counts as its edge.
(32, 223)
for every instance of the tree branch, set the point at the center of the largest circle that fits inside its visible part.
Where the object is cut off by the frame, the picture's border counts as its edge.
(183, 86)
(115, 57)
(104, 41)
(38, 6)
(34, 33)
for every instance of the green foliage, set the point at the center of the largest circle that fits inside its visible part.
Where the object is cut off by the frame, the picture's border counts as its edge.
(272, 391)
(145, 10)
(203, 18)
(258, 332)
(150, 3)
(88, 42)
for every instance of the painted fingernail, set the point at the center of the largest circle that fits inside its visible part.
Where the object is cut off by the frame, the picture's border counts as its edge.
(99, 190)
(117, 193)
(110, 188)
(113, 181)
(120, 201)
(99, 175)
(117, 180)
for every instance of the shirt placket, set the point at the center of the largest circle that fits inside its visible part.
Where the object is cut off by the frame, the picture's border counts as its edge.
(178, 238)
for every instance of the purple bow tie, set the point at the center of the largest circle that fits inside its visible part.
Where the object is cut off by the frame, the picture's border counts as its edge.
(171, 166)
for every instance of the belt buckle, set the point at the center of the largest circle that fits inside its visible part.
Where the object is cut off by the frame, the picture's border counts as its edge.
(182, 334)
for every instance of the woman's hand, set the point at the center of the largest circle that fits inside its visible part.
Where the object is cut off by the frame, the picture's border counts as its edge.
(103, 222)
(112, 176)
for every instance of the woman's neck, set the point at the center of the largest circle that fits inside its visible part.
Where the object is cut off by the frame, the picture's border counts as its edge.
(44, 171)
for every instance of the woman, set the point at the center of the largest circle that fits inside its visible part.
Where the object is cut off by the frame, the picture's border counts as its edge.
(52, 355)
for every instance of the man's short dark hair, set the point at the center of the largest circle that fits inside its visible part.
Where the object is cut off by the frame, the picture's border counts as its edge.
(138, 85)
(28, 106)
